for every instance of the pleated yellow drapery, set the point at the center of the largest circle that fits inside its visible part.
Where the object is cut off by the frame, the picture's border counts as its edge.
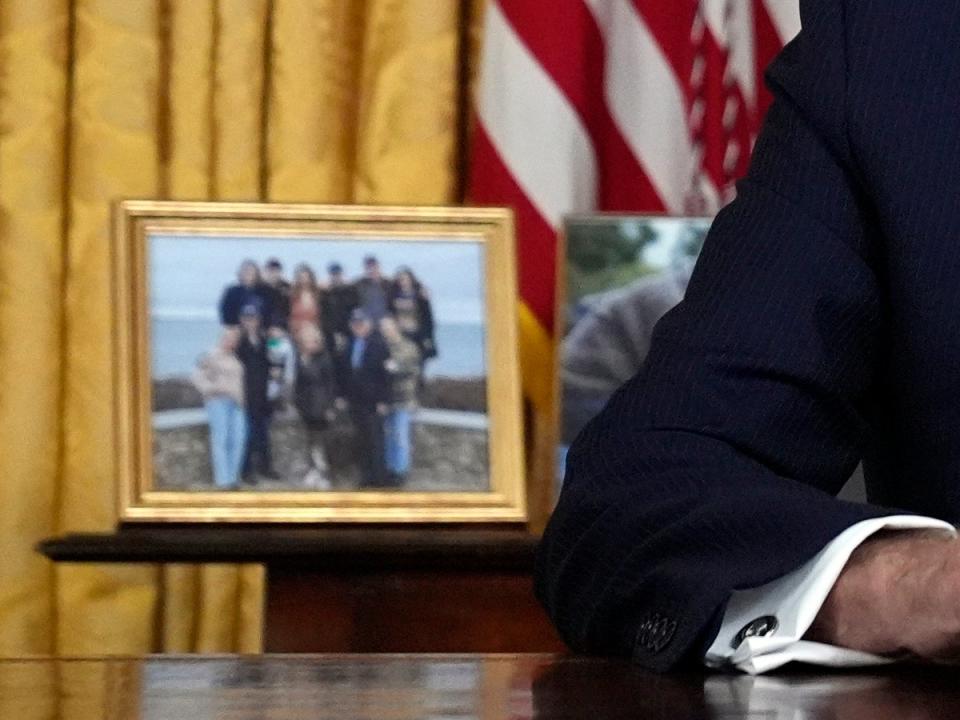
(289, 100)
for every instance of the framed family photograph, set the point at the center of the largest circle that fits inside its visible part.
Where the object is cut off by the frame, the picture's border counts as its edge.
(619, 275)
(305, 363)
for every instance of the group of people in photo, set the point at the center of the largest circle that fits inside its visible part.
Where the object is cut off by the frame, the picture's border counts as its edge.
(339, 350)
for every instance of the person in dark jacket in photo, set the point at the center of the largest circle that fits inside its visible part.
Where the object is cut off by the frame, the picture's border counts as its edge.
(249, 290)
(410, 305)
(374, 290)
(369, 392)
(278, 290)
(252, 352)
(338, 301)
(315, 395)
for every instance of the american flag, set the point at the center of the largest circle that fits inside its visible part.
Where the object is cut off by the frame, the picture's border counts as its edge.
(621, 105)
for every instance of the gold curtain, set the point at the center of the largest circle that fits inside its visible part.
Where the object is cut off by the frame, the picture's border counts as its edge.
(283, 100)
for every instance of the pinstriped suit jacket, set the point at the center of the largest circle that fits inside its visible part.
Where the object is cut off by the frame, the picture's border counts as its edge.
(821, 326)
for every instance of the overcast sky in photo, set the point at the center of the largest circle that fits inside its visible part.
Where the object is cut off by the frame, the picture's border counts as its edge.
(188, 273)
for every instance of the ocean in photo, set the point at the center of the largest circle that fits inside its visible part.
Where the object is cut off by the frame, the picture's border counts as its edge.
(177, 343)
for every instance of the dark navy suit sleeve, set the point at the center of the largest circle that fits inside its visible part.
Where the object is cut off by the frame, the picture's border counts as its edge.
(716, 467)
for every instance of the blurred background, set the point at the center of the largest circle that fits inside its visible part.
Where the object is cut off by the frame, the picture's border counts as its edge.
(571, 106)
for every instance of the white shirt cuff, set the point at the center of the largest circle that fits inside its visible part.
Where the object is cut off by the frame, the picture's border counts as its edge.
(794, 601)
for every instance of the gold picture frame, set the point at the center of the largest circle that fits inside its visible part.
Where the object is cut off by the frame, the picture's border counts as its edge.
(139, 225)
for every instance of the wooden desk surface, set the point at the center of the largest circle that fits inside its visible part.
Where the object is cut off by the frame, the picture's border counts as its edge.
(408, 687)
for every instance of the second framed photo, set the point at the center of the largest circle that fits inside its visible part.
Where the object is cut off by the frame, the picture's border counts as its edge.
(297, 363)
(619, 275)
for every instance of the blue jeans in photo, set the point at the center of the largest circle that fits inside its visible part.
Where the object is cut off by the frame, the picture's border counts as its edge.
(228, 440)
(397, 430)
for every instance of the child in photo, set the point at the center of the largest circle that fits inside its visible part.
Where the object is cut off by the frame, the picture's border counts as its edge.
(280, 358)
(404, 368)
(219, 378)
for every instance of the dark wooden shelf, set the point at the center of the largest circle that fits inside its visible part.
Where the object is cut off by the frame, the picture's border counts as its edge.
(350, 548)
(352, 589)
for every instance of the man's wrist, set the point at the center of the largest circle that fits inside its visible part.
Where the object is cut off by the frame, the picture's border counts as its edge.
(892, 580)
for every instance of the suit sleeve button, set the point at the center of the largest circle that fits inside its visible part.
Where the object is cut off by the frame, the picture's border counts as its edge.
(655, 633)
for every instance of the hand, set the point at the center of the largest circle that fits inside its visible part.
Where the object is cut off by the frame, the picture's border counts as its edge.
(382, 409)
(340, 403)
(897, 596)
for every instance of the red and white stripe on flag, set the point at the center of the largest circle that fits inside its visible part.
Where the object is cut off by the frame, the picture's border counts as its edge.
(621, 105)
